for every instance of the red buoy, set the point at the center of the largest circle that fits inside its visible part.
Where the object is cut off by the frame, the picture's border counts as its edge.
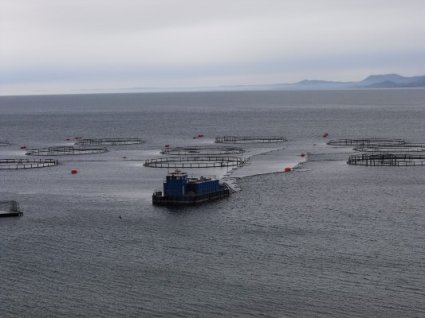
(288, 169)
(74, 171)
(325, 135)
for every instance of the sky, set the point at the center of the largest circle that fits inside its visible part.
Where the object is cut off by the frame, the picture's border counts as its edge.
(77, 46)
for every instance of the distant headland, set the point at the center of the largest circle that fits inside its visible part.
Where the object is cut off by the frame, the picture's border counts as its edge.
(372, 81)
(386, 81)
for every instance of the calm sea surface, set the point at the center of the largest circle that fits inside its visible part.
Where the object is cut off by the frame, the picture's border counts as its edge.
(327, 240)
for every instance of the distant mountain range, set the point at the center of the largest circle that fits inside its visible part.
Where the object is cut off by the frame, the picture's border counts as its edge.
(373, 81)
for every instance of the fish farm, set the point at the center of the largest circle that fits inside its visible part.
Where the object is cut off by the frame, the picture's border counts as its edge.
(65, 150)
(14, 164)
(249, 139)
(202, 150)
(9, 208)
(387, 159)
(109, 141)
(194, 162)
(365, 142)
(392, 148)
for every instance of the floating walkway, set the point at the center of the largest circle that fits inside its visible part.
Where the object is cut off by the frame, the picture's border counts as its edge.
(15, 164)
(194, 162)
(9, 208)
(65, 151)
(387, 159)
(202, 150)
(109, 141)
(249, 139)
(365, 142)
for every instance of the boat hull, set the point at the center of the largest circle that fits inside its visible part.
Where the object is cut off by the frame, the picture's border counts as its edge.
(188, 200)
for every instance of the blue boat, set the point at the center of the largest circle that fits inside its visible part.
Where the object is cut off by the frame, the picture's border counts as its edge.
(180, 190)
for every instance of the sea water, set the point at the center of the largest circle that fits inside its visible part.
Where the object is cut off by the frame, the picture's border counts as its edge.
(326, 239)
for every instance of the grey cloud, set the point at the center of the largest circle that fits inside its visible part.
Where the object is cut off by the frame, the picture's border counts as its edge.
(150, 40)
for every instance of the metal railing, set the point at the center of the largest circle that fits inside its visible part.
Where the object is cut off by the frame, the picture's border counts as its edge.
(194, 162)
(249, 139)
(14, 164)
(387, 159)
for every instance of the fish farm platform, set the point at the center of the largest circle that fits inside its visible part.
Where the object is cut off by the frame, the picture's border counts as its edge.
(194, 162)
(15, 164)
(202, 150)
(65, 151)
(407, 147)
(249, 139)
(365, 142)
(108, 141)
(387, 159)
(9, 208)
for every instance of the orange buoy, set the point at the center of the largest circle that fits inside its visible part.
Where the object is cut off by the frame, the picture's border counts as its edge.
(288, 169)
(325, 135)
(74, 171)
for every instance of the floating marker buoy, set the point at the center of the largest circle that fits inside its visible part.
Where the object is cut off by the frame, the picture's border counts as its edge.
(67, 139)
(325, 135)
(288, 169)
(124, 157)
(23, 147)
(302, 155)
(166, 146)
(74, 171)
(200, 136)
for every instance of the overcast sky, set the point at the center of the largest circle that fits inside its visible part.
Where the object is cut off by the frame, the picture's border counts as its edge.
(68, 46)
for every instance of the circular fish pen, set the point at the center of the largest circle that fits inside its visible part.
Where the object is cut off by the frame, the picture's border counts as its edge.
(387, 159)
(65, 150)
(14, 164)
(403, 148)
(202, 150)
(108, 141)
(194, 162)
(249, 139)
(365, 142)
